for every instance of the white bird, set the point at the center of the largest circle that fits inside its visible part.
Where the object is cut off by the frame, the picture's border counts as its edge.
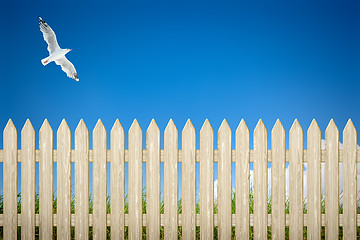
(56, 53)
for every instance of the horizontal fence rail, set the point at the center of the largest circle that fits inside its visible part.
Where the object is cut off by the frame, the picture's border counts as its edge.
(246, 212)
(145, 156)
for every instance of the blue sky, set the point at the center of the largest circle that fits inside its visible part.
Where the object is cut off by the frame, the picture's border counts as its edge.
(180, 60)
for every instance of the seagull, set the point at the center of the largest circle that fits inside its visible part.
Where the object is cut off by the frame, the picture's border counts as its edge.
(56, 53)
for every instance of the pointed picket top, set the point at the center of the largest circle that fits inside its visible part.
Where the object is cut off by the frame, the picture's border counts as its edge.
(331, 135)
(332, 180)
(314, 128)
(10, 221)
(134, 126)
(171, 128)
(242, 128)
(349, 128)
(188, 128)
(296, 128)
(260, 126)
(153, 127)
(117, 127)
(206, 127)
(99, 127)
(81, 127)
(278, 128)
(224, 127)
(331, 127)
(28, 128)
(10, 127)
(45, 127)
(242, 136)
(64, 127)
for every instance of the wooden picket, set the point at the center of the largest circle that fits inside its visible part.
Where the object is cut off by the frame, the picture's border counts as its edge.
(206, 181)
(332, 181)
(188, 181)
(46, 181)
(296, 180)
(349, 181)
(135, 181)
(227, 217)
(117, 188)
(224, 181)
(153, 181)
(64, 181)
(278, 181)
(81, 181)
(99, 181)
(10, 181)
(171, 181)
(28, 181)
(260, 181)
(314, 177)
(242, 181)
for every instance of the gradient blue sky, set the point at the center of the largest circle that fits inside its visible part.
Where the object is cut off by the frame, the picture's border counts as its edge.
(180, 60)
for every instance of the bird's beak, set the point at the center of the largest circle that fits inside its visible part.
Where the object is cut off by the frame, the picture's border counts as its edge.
(70, 49)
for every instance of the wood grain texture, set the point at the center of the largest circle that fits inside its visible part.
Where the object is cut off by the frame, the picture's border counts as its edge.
(242, 181)
(28, 181)
(171, 181)
(314, 177)
(206, 181)
(349, 181)
(188, 155)
(188, 181)
(296, 180)
(99, 181)
(135, 181)
(197, 155)
(10, 222)
(81, 181)
(278, 181)
(224, 181)
(332, 181)
(153, 182)
(64, 181)
(260, 181)
(46, 181)
(117, 186)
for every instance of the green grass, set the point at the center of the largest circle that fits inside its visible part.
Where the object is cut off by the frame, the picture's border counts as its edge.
(251, 209)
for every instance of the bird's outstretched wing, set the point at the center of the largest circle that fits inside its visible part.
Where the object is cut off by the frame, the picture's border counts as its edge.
(49, 36)
(67, 67)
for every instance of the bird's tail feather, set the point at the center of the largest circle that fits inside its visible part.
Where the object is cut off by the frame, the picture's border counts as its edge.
(45, 61)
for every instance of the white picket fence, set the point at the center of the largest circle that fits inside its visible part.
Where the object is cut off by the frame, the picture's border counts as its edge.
(224, 155)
